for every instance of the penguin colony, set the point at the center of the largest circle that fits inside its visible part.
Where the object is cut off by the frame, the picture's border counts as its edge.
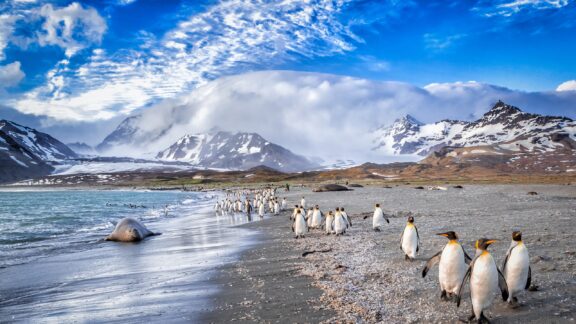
(456, 267)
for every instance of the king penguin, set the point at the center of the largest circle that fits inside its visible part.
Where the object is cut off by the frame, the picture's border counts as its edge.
(299, 226)
(410, 240)
(452, 266)
(485, 281)
(378, 218)
(329, 223)
(516, 267)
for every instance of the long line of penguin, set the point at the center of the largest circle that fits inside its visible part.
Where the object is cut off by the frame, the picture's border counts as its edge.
(456, 267)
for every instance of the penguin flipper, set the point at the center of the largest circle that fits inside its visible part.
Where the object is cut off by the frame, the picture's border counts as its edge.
(506, 260)
(466, 276)
(529, 281)
(431, 262)
(467, 258)
(418, 237)
(503, 286)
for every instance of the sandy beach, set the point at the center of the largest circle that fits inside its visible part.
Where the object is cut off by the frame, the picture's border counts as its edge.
(364, 278)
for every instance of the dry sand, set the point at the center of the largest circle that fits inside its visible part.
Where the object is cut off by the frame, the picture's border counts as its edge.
(365, 277)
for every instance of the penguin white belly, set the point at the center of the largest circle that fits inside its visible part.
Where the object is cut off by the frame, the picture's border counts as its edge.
(300, 225)
(339, 224)
(452, 268)
(315, 218)
(410, 241)
(483, 283)
(516, 273)
(378, 219)
(329, 224)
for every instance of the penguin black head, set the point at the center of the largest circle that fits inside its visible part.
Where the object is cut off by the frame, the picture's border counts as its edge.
(317, 207)
(410, 219)
(449, 235)
(299, 211)
(341, 208)
(517, 236)
(337, 209)
(377, 205)
(483, 243)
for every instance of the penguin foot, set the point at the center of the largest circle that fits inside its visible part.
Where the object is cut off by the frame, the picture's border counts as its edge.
(376, 229)
(443, 295)
(483, 319)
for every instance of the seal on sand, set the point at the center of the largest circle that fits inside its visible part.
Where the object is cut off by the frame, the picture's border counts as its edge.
(129, 230)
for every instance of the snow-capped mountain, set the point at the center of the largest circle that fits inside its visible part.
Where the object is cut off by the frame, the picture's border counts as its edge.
(26, 152)
(125, 133)
(81, 148)
(238, 151)
(504, 125)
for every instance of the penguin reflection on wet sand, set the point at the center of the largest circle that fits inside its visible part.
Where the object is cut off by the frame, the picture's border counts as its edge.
(485, 281)
(452, 260)
(410, 240)
(516, 268)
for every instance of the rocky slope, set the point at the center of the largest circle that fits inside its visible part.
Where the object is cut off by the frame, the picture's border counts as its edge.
(28, 153)
(505, 126)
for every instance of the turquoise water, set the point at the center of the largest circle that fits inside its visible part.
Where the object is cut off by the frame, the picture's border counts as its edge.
(41, 223)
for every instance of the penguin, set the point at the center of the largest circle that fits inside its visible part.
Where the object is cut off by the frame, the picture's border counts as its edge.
(261, 210)
(410, 240)
(294, 212)
(340, 223)
(299, 226)
(485, 280)
(284, 204)
(516, 267)
(378, 218)
(346, 217)
(276, 208)
(303, 202)
(452, 261)
(316, 217)
(309, 214)
(329, 226)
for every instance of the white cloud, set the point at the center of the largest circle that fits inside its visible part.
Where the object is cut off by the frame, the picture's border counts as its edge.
(72, 28)
(10, 75)
(510, 8)
(228, 38)
(567, 86)
(322, 115)
(6, 29)
(439, 43)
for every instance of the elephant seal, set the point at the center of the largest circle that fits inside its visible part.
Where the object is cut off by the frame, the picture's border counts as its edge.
(129, 230)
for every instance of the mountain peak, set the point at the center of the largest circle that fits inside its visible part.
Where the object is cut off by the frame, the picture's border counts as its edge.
(501, 107)
(409, 119)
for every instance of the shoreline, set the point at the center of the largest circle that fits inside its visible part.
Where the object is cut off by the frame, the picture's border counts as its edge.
(265, 284)
(365, 277)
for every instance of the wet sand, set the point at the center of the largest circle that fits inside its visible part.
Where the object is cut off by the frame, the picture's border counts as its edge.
(365, 277)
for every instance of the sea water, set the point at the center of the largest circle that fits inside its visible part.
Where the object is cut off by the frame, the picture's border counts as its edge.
(56, 267)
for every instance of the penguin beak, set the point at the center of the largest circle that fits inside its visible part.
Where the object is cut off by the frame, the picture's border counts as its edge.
(443, 234)
(488, 242)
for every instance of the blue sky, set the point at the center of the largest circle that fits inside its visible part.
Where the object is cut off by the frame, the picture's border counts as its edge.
(79, 62)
